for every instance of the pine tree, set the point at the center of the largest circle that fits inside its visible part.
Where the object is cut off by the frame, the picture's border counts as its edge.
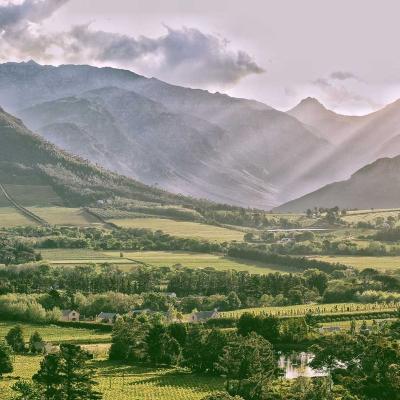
(66, 375)
(15, 339)
(5, 359)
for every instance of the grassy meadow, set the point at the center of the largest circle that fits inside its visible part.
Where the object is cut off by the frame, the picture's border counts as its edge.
(386, 263)
(131, 259)
(182, 228)
(65, 216)
(10, 217)
(56, 334)
(196, 260)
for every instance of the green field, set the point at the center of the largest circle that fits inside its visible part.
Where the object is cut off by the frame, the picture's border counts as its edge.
(181, 228)
(380, 263)
(10, 217)
(317, 309)
(33, 195)
(124, 382)
(65, 216)
(56, 334)
(154, 258)
(81, 256)
(370, 215)
(196, 260)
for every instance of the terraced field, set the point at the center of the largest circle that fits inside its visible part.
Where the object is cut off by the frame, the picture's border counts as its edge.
(182, 228)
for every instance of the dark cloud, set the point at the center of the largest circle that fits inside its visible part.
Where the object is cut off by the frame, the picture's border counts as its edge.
(186, 55)
(14, 15)
(342, 75)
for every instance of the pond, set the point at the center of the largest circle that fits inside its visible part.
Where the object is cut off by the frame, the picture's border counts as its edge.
(295, 364)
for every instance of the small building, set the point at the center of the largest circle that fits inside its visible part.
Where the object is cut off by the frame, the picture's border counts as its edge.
(70, 315)
(330, 329)
(203, 316)
(106, 317)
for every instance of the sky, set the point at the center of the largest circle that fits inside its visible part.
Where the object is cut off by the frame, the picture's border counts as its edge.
(342, 52)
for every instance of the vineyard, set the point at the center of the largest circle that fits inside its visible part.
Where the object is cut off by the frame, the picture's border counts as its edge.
(123, 382)
(317, 309)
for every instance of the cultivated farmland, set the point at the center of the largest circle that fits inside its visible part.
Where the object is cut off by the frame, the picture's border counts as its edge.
(182, 228)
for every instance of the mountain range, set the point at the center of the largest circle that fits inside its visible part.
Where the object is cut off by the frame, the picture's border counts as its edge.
(28, 160)
(193, 142)
(189, 141)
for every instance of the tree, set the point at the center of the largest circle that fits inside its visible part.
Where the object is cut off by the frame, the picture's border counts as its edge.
(36, 343)
(28, 391)
(48, 378)
(161, 347)
(67, 376)
(248, 363)
(193, 351)
(15, 339)
(221, 396)
(368, 366)
(233, 301)
(5, 360)
(316, 279)
(213, 349)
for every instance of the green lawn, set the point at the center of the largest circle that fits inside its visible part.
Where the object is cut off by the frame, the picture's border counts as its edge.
(124, 382)
(182, 228)
(379, 263)
(56, 334)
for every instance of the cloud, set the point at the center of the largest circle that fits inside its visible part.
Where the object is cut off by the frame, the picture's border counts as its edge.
(13, 15)
(342, 75)
(344, 89)
(185, 56)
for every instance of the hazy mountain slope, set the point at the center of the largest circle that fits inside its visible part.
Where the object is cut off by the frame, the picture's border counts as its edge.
(26, 159)
(376, 185)
(367, 138)
(141, 138)
(333, 127)
(191, 141)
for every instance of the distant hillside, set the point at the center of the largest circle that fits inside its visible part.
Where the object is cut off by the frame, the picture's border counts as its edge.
(376, 185)
(189, 141)
(26, 159)
(358, 140)
(333, 127)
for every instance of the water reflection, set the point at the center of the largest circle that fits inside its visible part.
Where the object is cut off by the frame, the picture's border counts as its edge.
(296, 364)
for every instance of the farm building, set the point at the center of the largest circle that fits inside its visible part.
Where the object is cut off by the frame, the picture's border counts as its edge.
(106, 317)
(203, 316)
(70, 315)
